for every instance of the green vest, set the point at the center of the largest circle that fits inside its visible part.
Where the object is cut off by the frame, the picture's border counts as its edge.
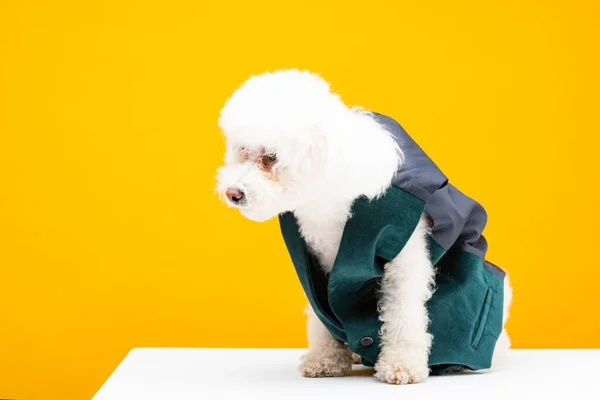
(466, 308)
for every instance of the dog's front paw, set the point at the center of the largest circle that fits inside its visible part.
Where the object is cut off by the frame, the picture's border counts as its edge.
(401, 373)
(317, 366)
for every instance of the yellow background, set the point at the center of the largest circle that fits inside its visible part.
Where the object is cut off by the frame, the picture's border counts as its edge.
(111, 236)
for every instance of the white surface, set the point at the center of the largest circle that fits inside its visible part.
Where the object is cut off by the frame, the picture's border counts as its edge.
(177, 374)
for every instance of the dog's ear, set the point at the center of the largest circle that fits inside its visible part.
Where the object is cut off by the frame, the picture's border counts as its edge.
(329, 151)
(374, 155)
(318, 149)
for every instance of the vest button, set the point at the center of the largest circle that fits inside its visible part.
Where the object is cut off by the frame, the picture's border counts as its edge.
(366, 341)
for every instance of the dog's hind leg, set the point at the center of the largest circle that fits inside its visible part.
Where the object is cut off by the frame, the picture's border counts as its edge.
(503, 344)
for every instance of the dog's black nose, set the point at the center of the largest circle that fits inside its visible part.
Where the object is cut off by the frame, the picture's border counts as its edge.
(236, 196)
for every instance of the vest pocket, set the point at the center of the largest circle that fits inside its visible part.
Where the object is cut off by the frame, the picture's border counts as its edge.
(482, 319)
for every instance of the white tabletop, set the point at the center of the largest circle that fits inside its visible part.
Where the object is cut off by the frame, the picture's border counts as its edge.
(178, 374)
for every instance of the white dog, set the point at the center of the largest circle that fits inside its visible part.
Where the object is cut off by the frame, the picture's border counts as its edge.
(294, 146)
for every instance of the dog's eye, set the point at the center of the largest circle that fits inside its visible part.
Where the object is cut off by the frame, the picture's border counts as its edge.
(244, 154)
(267, 161)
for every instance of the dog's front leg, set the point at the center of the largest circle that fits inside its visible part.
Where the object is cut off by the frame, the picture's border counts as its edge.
(405, 289)
(326, 355)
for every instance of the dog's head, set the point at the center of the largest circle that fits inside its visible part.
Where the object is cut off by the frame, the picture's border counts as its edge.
(291, 141)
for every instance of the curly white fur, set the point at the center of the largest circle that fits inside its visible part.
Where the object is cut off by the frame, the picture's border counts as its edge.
(324, 155)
